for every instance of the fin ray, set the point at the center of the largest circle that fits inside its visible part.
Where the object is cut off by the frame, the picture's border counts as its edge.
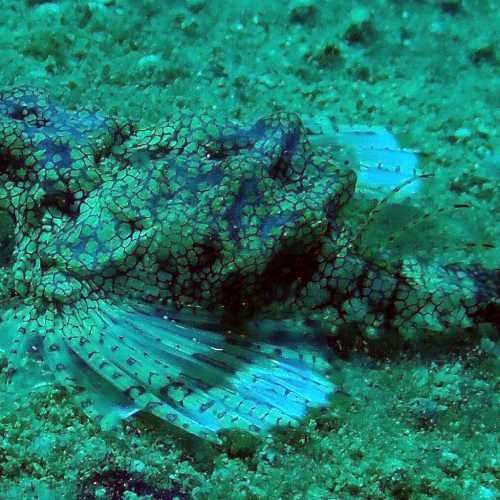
(197, 379)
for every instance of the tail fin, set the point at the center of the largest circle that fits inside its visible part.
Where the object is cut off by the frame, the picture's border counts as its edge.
(383, 164)
(124, 359)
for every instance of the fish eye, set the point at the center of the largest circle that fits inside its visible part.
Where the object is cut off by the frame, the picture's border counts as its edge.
(20, 112)
(28, 113)
(215, 151)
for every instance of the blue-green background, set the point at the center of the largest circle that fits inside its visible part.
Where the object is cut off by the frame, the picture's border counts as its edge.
(414, 425)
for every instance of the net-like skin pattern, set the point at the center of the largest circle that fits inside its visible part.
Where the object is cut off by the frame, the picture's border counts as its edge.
(195, 215)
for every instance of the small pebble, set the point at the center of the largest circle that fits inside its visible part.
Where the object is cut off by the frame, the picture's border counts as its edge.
(450, 462)
(138, 466)
(149, 61)
(360, 28)
(302, 11)
(196, 6)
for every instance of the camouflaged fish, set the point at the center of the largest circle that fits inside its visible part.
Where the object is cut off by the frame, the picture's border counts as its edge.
(193, 270)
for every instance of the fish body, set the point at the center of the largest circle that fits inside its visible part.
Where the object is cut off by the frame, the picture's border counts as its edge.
(193, 269)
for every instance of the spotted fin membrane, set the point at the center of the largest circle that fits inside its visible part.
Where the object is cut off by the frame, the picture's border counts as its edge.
(119, 360)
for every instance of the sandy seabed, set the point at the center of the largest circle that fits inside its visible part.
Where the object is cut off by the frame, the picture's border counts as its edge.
(414, 425)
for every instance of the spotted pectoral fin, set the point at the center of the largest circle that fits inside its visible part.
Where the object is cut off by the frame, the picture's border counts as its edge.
(199, 380)
(21, 348)
(38, 356)
(20, 343)
(98, 398)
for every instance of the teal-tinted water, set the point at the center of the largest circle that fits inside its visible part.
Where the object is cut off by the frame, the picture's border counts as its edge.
(217, 208)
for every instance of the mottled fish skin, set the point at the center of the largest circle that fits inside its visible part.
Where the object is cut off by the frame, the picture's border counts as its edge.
(114, 222)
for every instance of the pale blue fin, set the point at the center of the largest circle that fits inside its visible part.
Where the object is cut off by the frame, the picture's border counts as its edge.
(202, 381)
(38, 356)
(120, 359)
(382, 164)
(21, 345)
